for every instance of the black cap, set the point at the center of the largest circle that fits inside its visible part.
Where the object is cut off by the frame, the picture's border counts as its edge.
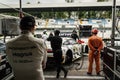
(27, 22)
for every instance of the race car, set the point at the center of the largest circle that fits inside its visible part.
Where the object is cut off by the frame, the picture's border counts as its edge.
(71, 51)
(5, 68)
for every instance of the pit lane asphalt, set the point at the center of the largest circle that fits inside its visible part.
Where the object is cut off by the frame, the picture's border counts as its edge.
(50, 73)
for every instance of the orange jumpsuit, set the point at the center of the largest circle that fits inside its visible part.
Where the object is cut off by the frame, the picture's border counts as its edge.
(93, 42)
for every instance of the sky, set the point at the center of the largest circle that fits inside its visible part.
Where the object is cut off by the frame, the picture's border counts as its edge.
(42, 1)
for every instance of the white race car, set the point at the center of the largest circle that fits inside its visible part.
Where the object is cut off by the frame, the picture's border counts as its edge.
(70, 48)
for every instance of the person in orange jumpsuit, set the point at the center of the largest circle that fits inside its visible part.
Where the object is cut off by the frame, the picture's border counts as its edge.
(95, 44)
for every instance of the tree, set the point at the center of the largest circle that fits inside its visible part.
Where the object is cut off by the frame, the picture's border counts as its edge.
(61, 15)
(38, 2)
(102, 0)
(69, 1)
(28, 3)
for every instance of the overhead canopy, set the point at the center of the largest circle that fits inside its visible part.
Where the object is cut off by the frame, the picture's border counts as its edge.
(86, 6)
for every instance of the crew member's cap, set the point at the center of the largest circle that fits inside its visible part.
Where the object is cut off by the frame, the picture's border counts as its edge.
(95, 31)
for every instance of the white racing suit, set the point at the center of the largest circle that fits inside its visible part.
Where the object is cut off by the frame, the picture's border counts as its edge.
(27, 55)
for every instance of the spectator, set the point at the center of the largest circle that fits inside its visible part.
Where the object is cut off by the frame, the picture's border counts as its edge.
(56, 43)
(26, 54)
(95, 44)
(44, 35)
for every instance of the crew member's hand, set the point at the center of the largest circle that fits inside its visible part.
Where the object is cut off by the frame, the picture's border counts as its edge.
(0, 58)
(96, 52)
(43, 65)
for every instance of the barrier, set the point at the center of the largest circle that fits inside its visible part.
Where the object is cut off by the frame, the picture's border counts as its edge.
(117, 65)
(111, 63)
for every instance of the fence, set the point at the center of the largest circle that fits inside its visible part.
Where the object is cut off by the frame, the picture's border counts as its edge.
(111, 63)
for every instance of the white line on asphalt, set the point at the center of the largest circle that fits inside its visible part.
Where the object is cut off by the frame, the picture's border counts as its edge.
(77, 77)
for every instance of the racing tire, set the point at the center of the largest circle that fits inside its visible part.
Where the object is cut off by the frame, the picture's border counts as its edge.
(86, 49)
(69, 57)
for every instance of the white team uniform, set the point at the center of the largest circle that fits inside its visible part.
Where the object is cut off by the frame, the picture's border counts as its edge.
(25, 54)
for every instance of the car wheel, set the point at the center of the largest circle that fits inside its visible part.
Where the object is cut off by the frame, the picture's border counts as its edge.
(86, 49)
(69, 57)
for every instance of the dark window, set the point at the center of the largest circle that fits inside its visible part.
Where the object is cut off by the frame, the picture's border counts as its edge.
(85, 30)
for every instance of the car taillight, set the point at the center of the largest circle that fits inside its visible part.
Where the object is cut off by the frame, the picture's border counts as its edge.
(49, 51)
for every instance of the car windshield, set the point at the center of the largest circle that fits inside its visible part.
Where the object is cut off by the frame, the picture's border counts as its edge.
(69, 42)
